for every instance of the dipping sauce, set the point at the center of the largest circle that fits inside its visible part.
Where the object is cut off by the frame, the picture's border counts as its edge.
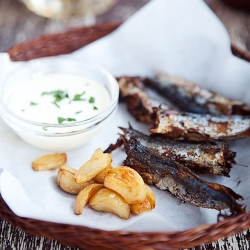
(58, 103)
(59, 99)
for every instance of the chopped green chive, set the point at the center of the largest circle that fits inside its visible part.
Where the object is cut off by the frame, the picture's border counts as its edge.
(78, 112)
(56, 104)
(78, 97)
(91, 100)
(33, 103)
(61, 120)
(45, 128)
(58, 94)
(22, 110)
(71, 119)
(95, 108)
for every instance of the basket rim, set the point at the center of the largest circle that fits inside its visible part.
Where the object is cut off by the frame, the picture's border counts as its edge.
(203, 234)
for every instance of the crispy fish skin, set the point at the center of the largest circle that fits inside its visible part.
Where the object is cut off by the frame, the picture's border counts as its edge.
(140, 105)
(198, 127)
(180, 181)
(190, 97)
(130, 86)
(201, 158)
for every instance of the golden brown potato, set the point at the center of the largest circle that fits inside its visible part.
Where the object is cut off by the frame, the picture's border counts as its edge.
(97, 154)
(139, 208)
(107, 200)
(126, 182)
(84, 195)
(150, 196)
(92, 168)
(100, 177)
(66, 181)
(48, 162)
(147, 204)
(70, 169)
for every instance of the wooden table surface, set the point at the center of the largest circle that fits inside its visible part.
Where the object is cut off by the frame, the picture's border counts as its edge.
(17, 24)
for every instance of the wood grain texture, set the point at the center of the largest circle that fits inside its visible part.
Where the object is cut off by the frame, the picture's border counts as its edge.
(237, 23)
(12, 238)
(17, 25)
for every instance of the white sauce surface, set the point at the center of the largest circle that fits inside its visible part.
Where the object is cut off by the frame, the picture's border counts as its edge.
(46, 111)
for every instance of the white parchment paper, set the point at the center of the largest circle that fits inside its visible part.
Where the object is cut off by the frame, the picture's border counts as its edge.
(180, 37)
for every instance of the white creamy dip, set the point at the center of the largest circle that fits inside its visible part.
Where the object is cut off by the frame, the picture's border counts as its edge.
(58, 103)
(59, 99)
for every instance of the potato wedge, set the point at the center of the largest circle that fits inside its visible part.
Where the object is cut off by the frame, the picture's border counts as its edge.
(107, 200)
(71, 170)
(48, 162)
(140, 208)
(66, 181)
(84, 195)
(150, 196)
(97, 154)
(100, 177)
(92, 168)
(126, 182)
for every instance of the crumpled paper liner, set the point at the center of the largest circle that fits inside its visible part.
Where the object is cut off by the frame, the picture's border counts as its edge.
(183, 38)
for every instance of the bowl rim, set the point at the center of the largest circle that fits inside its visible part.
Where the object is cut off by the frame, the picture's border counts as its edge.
(67, 59)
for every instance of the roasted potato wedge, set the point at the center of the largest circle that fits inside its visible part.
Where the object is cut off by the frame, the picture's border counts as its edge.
(70, 169)
(100, 177)
(92, 168)
(48, 162)
(107, 200)
(84, 195)
(142, 207)
(97, 154)
(66, 181)
(126, 182)
(150, 196)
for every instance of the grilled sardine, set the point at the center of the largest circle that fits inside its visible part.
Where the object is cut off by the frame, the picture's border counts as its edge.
(140, 105)
(201, 158)
(190, 97)
(180, 181)
(198, 127)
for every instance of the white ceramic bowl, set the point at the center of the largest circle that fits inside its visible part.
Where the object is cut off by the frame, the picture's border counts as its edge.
(58, 137)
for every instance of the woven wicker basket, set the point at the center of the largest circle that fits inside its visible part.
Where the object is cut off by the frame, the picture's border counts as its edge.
(85, 237)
